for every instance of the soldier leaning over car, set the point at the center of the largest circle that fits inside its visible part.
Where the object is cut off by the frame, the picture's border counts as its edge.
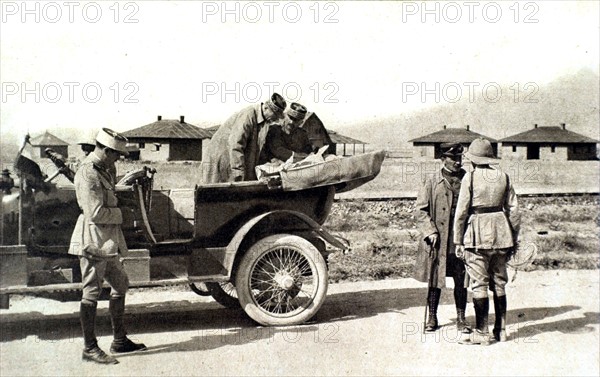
(235, 148)
(287, 139)
(98, 240)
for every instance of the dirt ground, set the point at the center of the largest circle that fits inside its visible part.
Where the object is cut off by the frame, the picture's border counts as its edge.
(364, 328)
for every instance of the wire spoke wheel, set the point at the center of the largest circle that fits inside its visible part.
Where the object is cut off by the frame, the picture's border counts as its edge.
(282, 280)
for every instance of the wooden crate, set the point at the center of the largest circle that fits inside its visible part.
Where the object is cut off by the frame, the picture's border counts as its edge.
(137, 265)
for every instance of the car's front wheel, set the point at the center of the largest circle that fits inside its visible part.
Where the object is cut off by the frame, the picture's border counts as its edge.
(282, 280)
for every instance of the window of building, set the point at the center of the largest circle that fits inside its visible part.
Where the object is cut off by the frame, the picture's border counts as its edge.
(552, 148)
(514, 148)
(142, 145)
(157, 146)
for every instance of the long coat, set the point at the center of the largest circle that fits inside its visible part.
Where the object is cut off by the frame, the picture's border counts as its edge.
(98, 229)
(434, 215)
(487, 187)
(234, 149)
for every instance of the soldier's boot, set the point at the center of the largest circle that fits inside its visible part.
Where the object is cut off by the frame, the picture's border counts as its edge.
(121, 343)
(91, 351)
(460, 298)
(481, 334)
(500, 323)
(433, 300)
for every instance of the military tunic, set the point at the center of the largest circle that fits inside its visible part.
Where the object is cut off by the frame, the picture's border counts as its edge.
(97, 238)
(487, 222)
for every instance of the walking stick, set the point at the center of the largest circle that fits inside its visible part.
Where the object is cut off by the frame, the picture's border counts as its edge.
(433, 257)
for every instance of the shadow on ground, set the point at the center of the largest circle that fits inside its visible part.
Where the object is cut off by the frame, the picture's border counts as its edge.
(217, 326)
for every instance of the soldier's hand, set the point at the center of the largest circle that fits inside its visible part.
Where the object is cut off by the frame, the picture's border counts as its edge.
(460, 252)
(511, 252)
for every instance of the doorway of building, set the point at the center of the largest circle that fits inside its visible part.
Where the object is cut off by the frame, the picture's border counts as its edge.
(533, 152)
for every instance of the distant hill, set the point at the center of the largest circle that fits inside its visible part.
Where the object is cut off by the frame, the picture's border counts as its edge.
(571, 99)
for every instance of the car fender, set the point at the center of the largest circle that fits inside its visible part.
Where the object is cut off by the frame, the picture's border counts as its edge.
(298, 222)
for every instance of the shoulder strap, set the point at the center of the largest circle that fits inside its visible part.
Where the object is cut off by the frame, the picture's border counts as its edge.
(506, 189)
(471, 182)
(471, 188)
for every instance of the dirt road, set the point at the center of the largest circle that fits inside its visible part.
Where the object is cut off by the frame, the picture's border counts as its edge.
(368, 328)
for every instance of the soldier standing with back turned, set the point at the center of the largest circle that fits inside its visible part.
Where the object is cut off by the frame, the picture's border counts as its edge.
(486, 228)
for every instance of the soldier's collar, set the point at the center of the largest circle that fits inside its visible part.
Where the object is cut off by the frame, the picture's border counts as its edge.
(97, 161)
(260, 117)
(441, 178)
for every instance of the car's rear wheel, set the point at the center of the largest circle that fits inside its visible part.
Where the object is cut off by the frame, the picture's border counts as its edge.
(282, 280)
(225, 294)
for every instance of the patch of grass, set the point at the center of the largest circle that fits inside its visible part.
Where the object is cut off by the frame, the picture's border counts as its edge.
(387, 249)
(574, 213)
(364, 215)
(548, 262)
(383, 255)
(566, 250)
(561, 243)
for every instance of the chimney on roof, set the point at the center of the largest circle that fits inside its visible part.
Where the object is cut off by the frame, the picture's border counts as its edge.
(467, 127)
(181, 117)
(159, 117)
(564, 126)
(444, 126)
(535, 125)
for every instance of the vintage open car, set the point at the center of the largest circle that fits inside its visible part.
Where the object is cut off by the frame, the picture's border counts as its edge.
(258, 245)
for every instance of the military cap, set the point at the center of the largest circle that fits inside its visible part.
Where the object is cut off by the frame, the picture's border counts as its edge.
(276, 103)
(481, 152)
(113, 140)
(451, 149)
(89, 139)
(296, 111)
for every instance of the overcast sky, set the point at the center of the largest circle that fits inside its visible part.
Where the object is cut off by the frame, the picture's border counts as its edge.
(70, 64)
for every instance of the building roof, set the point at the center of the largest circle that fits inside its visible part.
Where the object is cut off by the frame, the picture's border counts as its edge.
(212, 130)
(556, 135)
(47, 139)
(451, 135)
(168, 129)
(338, 138)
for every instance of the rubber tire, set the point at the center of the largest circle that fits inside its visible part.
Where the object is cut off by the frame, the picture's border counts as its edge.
(255, 253)
(222, 297)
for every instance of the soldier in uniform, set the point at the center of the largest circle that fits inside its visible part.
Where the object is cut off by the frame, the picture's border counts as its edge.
(98, 240)
(87, 146)
(235, 148)
(288, 138)
(6, 183)
(435, 206)
(486, 228)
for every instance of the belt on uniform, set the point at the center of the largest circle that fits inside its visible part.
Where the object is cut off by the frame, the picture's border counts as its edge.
(480, 210)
